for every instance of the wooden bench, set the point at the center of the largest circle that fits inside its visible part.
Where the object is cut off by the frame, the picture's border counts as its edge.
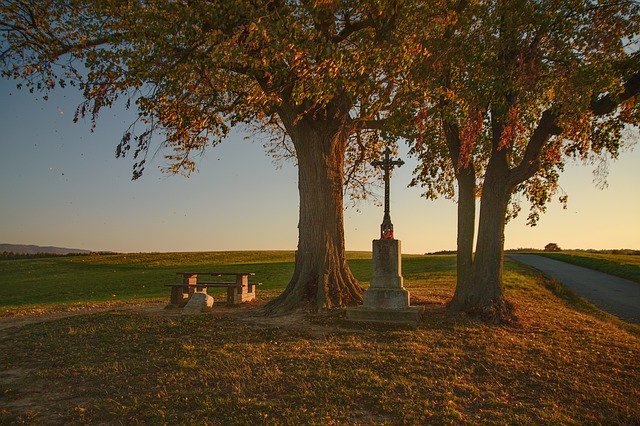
(238, 291)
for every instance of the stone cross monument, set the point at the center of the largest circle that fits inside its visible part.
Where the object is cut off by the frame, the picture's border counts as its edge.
(386, 300)
(386, 229)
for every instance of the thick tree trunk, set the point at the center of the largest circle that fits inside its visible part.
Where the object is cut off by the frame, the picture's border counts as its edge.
(322, 278)
(482, 292)
(487, 265)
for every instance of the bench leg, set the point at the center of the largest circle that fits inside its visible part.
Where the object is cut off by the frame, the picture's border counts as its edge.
(177, 296)
(231, 295)
(243, 292)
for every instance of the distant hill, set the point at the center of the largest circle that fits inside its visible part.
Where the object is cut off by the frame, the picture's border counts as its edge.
(31, 249)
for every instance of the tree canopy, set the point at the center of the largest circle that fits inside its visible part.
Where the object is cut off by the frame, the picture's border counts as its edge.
(317, 73)
(196, 69)
(509, 92)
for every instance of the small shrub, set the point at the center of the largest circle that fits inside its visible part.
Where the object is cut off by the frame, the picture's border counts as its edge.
(552, 247)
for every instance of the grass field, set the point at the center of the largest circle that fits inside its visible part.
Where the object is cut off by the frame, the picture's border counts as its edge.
(563, 362)
(622, 265)
(123, 277)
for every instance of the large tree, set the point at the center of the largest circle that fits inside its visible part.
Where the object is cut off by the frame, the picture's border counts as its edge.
(194, 69)
(505, 95)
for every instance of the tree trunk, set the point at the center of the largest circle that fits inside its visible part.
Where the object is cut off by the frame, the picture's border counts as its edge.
(321, 278)
(487, 265)
(466, 178)
(482, 292)
(466, 228)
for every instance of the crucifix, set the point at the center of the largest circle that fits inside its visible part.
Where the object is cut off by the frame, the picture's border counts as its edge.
(386, 229)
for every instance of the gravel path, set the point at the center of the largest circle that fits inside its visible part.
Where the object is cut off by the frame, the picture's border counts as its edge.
(616, 295)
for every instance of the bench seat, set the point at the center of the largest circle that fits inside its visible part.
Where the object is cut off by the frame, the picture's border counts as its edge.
(211, 284)
(235, 291)
(218, 284)
(238, 291)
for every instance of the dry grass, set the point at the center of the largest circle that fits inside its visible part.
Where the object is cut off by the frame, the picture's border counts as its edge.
(559, 364)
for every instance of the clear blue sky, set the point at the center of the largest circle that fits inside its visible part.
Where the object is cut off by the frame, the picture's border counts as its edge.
(60, 184)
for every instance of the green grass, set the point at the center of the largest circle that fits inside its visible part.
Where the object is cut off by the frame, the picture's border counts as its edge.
(621, 265)
(62, 280)
(119, 278)
(563, 362)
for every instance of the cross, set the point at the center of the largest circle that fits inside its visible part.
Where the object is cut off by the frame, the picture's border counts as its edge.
(386, 229)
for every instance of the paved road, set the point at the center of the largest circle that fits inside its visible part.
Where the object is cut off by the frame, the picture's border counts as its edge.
(618, 296)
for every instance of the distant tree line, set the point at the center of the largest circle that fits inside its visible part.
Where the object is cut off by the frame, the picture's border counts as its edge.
(9, 255)
(615, 251)
(631, 252)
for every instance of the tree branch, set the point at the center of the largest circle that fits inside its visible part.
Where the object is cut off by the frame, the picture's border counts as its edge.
(351, 28)
(548, 127)
(377, 124)
(452, 136)
(68, 48)
(608, 103)
(530, 163)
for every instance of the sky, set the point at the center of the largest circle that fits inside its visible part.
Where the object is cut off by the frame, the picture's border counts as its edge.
(61, 185)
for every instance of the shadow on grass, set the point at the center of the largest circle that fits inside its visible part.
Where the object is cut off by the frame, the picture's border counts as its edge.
(231, 366)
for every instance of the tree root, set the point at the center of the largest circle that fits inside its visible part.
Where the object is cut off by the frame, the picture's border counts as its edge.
(495, 311)
(315, 292)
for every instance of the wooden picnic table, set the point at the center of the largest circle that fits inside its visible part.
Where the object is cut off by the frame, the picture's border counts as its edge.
(238, 291)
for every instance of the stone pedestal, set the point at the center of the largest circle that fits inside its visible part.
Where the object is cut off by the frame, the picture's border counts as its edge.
(386, 300)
